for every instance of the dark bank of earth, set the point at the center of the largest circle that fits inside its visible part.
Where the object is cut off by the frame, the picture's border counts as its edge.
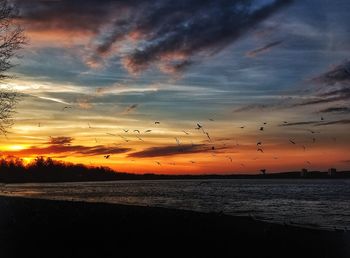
(43, 228)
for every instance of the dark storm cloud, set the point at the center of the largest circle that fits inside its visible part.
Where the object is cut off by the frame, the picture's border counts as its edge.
(170, 151)
(264, 49)
(69, 150)
(167, 33)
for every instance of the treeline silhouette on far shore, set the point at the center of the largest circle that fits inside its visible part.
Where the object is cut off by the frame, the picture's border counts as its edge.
(43, 169)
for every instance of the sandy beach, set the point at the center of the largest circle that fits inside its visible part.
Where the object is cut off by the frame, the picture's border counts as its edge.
(45, 228)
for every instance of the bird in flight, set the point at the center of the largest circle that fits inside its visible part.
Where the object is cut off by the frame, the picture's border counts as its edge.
(148, 131)
(126, 140)
(158, 163)
(139, 138)
(242, 127)
(263, 171)
(185, 132)
(230, 158)
(199, 127)
(208, 136)
(89, 125)
(259, 144)
(291, 141)
(261, 128)
(126, 131)
(111, 134)
(210, 119)
(107, 156)
(157, 123)
(177, 141)
(261, 150)
(67, 107)
(137, 131)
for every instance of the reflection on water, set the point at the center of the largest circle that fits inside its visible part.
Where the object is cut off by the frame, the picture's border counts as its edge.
(323, 203)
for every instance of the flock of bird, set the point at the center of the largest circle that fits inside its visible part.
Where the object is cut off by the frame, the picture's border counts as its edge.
(199, 127)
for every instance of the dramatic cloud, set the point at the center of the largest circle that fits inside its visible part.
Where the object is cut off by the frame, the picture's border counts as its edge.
(170, 151)
(264, 49)
(166, 33)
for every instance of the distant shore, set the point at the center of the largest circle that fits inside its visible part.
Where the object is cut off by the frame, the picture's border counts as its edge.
(116, 176)
(44, 228)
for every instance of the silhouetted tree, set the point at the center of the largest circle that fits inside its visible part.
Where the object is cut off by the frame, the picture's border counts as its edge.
(11, 40)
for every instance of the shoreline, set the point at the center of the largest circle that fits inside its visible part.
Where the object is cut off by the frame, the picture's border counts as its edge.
(36, 227)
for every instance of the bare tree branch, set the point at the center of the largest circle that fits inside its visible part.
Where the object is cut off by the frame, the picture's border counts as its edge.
(12, 39)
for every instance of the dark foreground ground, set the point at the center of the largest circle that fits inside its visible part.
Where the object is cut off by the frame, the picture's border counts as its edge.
(40, 228)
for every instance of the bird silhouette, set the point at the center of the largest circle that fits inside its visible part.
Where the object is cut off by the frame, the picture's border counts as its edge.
(259, 144)
(292, 142)
(148, 131)
(261, 128)
(126, 131)
(263, 171)
(158, 163)
(137, 131)
(107, 156)
(208, 136)
(261, 150)
(67, 107)
(157, 123)
(139, 138)
(230, 158)
(185, 132)
(199, 127)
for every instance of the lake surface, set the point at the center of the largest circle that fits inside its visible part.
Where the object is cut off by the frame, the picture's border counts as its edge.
(318, 203)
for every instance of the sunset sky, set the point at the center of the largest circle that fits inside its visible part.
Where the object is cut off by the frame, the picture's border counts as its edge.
(94, 68)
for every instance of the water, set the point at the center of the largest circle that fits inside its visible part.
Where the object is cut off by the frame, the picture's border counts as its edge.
(317, 203)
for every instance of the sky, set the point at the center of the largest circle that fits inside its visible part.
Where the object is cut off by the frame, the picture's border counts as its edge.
(188, 86)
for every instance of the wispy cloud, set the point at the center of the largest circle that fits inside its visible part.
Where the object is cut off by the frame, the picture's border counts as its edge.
(264, 49)
(337, 122)
(341, 110)
(130, 108)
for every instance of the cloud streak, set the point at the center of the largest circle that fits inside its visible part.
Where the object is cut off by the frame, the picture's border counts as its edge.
(68, 150)
(264, 49)
(170, 151)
